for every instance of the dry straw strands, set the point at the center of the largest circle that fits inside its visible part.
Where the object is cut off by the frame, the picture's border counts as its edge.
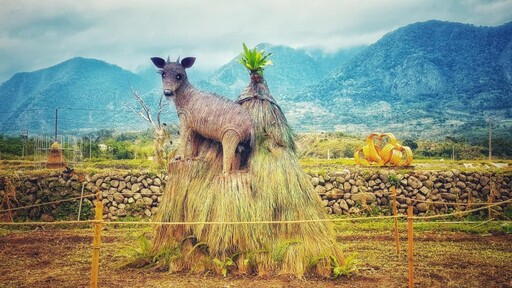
(272, 188)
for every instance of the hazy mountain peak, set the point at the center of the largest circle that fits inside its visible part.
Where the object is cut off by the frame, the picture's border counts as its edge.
(434, 77)
(427, 79)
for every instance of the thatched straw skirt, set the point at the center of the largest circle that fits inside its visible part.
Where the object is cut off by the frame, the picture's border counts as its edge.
(285, 231)
(269, 193)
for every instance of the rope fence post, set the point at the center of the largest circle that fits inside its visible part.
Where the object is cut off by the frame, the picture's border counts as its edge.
(98, 221)
(81, 201)
(10, 193)
(410, 241)
(395, 217)
(489, 211)
(490, 200)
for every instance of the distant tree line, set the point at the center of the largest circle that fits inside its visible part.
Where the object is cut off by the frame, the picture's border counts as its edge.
(102, 144)
(339, 145)
(107, 144)
(461, 148)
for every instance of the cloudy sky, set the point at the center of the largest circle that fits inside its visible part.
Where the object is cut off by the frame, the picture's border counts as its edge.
(35, 34)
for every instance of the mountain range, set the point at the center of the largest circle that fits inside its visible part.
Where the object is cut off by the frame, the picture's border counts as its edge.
(430, 79)
(427, 80)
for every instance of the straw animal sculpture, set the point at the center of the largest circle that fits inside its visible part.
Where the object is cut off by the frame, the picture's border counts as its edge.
(272, 187)
(205, 114)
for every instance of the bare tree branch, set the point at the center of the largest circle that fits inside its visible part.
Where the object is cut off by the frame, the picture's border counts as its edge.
(161, 133)
(145, 111)
(161, 105)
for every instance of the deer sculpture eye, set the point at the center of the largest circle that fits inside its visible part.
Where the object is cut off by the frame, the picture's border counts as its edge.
(163, 74)
(178, 76)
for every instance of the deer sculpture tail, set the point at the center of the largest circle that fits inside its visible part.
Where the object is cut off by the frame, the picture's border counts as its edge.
(247, 148)
(252, 140)
(248, 145)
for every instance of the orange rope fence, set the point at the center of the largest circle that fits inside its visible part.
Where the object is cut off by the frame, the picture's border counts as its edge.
(48, 203)
(419, 218)
(69, 199)
(99, 222)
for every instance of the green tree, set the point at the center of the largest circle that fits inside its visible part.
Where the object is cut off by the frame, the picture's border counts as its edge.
(411, 144)
(11, 146)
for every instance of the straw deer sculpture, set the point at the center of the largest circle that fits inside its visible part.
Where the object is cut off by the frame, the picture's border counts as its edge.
(205, 114)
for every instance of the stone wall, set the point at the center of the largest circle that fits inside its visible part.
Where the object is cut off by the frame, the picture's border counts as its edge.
(429, 192)
(122, 195)
(344, 192)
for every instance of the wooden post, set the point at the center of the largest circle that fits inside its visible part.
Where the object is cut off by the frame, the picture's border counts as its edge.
(410, 240)
(10, 193)
(395, 214)
(470, 200)
(96, 242)
(490, 200)
(81, 201)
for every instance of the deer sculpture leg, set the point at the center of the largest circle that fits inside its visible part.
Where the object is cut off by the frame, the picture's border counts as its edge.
(230, 141)
(195, 141)
(186, 134)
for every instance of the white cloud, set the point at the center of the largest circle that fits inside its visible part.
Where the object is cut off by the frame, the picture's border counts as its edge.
(36, 34)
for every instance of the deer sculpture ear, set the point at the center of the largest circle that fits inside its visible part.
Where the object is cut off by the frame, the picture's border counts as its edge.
(159, 62)
(188, 62)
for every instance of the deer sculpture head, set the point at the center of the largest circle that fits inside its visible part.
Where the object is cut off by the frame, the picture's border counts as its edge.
(173, 73)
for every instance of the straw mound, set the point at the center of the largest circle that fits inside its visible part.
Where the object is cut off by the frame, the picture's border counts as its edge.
(55, 158)
(272, 188)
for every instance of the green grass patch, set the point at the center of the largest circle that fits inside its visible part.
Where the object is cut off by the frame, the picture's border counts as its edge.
(358, 227)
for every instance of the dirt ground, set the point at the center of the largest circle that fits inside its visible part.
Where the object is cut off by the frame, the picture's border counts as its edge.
(62, 258)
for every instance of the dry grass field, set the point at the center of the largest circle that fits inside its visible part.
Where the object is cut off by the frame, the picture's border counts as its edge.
(446, 255)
